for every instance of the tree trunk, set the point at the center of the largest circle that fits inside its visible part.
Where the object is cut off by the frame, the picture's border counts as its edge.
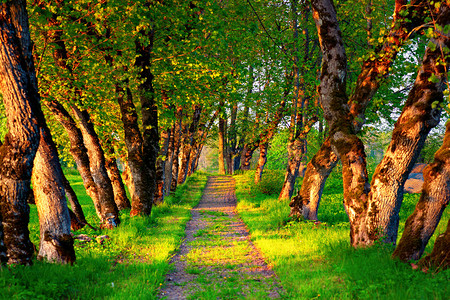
(120, 195)
(21, 100)
(435, 197)
(169, 161)
(372, 72)
(56, 243)
(261, 162)
(306, 203)
(333, 97)
(246, 156)
(439, 257)
(77, 211)
(138, 174)
(109, 211)
(417, 119)
(177, 146)
(222, 142)
(188, 144)
(160, 167)
(295, 154)
(78, 152)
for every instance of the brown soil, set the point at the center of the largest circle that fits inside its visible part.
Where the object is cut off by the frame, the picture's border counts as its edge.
(217, 259)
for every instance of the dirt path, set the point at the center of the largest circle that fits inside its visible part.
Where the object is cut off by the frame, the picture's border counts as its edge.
(217, 260)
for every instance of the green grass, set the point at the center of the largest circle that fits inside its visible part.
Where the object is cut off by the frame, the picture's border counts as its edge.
(316, 261)
(130, 265)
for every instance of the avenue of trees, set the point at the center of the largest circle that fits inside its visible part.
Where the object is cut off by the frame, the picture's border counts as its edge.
(129, 92)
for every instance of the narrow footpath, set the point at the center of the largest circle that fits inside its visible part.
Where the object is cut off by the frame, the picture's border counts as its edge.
(217, 259)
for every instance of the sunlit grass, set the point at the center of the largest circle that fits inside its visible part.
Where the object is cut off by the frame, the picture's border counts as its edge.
(131, 264)
(316, 261)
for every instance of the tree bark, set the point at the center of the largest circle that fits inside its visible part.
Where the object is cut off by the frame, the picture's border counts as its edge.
(161, 166)
(109, 211)
(420, 114)
(149, 113)
(435, 197)
(261, 162)
(169, 161)
(56, 243)
(373, 70)
(188, 143)
(139, 177)
(78, 152)
(177, 146)
(78, 220)
(21, 100)
(439, 257)
(120, 195)
(222, 142)
(333, 97)
(306, 203)
(246, 156)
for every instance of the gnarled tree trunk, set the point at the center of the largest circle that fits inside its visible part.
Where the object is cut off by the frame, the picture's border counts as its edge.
(333, 97)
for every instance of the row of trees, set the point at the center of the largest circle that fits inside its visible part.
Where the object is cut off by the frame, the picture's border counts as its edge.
(145, 83)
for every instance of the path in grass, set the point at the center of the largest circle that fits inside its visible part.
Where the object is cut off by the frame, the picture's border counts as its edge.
(217, 259)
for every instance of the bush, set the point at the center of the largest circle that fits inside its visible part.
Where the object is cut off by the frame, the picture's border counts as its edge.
(271, 182)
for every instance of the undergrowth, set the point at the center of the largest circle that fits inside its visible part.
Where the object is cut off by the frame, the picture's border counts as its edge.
(130, 264)
(315, 260)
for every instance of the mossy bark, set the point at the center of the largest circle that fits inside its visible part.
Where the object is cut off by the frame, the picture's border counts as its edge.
(435, 197)
(295, 156)
(333, 97)
(21, 101)
(246, 156)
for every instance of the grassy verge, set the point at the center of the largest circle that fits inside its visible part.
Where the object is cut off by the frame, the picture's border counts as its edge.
(131, 264)
(316, 261)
